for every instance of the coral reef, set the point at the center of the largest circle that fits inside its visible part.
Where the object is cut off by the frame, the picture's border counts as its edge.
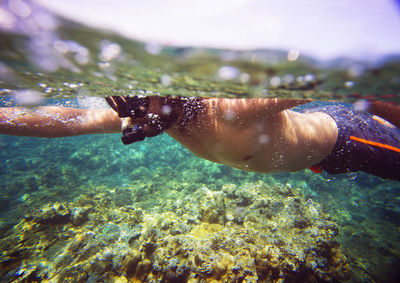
(255, 232)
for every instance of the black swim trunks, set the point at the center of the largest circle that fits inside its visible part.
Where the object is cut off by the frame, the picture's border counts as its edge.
(365, 143)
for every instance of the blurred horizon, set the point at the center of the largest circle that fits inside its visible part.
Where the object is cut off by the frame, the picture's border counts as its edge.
(47, 51)
(361, 30)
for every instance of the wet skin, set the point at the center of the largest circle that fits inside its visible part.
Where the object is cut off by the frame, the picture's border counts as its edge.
(258, 134)
(250, 134)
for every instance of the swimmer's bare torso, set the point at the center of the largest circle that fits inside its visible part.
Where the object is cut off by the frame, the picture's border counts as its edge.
(250, 134)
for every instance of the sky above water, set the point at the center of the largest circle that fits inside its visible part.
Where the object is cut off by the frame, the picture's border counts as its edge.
(363, 29)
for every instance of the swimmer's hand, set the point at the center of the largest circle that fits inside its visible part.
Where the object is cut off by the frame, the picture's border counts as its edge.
(145, 116)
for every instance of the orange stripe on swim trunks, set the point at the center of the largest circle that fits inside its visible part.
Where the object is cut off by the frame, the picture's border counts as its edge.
(376, 144)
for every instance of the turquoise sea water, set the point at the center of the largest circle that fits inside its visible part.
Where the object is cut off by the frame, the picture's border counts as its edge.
(89, 209)
(154, 174)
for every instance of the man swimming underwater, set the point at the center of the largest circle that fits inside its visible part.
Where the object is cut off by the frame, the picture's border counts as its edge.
(255, 134)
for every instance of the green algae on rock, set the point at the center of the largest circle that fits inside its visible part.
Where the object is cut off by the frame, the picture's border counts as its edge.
(255, 232)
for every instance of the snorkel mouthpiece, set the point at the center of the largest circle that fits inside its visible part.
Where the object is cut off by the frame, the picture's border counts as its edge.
(131, 133)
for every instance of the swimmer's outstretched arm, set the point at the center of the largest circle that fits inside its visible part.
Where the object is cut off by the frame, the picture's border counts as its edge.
(249, 134)
(56, 121)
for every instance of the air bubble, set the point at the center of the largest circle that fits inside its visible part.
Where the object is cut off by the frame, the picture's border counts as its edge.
(309, 78)
(263, 139)
(293, 54)
(228, 73)
(92, 102)
(229, 115)
(361, 105)
(349, 84)
(153, 48)
(166, 109)
(244, 77)
(61, 46)
(28, 97)
(19, 8)
(109, 50)
(165, 80)
(275, 81)
(288, 79)
(7, 20)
